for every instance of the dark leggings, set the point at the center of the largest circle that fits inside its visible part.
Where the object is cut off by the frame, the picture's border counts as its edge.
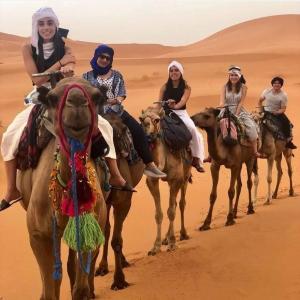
(140, 141)
(286, 125)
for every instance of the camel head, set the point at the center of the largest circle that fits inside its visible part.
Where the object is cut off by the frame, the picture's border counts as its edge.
(78, 112)
(207, 118)
(150, 120)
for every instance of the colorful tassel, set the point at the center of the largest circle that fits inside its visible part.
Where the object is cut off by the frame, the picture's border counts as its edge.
(90, 233)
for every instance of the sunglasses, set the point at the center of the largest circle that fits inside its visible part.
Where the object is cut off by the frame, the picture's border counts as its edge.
(106, 57)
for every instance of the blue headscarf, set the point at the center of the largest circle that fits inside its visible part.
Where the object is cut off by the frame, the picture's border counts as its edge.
(101, 49)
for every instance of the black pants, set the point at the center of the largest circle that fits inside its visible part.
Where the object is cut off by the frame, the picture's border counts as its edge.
(140, 141)
(285, 125)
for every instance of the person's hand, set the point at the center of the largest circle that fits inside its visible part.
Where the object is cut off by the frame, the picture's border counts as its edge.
(68, 59)
(67, 71)
(112, 101)
(171, 103)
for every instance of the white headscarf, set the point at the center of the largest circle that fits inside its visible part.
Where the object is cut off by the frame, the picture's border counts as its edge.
(235, 70)
(44, 12)
(176, 64)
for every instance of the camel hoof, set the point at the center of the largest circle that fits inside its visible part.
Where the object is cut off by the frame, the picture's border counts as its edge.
(119, 285)
(171, 247)
(92, 295)
(250, 211)
(184, 236)
(274, 196)
(230, 222)
(291, 193)
(165, 242)
(101, 271)
(267, 202)
(153, 252)
(204, 227)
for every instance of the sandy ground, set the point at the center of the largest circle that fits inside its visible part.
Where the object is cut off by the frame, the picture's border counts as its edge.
(256, 259)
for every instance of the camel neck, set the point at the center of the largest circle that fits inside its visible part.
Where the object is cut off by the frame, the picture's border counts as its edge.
(212, 138)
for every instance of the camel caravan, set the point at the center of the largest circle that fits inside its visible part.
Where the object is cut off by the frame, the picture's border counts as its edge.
(74, 154)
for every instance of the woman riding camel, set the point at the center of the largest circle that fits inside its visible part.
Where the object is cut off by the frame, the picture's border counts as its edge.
(102, 75)
(233, 94)
(275, 103)
(47, 52)
(176, 92)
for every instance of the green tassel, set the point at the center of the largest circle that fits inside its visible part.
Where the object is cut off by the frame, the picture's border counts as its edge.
(91, 235)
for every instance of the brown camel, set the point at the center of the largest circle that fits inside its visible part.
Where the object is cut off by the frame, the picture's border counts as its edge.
(274, 149)
(232, 157)
(33, 185)
(121, 203)
(177, 166)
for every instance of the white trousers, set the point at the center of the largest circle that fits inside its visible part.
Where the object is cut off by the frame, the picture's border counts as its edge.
(197, 142)
(11, 137)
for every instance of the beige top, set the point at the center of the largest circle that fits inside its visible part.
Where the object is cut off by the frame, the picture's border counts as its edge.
(274, 101)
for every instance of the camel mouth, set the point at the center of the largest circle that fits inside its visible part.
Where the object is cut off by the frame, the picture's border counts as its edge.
(77, 132)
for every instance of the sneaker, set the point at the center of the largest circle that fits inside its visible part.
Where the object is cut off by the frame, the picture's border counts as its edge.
(290, 145)
(153, 171)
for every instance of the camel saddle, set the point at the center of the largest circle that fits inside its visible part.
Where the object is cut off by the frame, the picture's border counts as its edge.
(273, 125)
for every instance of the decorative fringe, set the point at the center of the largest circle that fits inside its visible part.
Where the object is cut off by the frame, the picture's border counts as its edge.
(90, 233)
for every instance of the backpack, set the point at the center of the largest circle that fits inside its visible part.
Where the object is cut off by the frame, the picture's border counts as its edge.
(174, 132)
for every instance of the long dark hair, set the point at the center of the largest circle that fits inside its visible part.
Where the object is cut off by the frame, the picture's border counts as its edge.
(59, 52)
(238, 85)
(169, 85)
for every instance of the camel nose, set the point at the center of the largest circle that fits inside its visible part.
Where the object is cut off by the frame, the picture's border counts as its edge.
(76, 97)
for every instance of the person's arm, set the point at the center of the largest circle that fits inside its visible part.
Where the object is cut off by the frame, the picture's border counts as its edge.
(222, 97)
(120, 92)
(185, 97)
(30, 66)
(240, 105)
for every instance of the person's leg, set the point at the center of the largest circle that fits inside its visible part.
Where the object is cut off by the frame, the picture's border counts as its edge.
(116, 179)
(196, 143)
(287, 130)
(140, 143)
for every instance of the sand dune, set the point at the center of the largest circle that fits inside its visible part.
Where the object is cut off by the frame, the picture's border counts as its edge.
(255, 259)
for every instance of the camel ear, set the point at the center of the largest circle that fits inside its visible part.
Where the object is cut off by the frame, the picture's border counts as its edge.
(216, 112)
(42, 97)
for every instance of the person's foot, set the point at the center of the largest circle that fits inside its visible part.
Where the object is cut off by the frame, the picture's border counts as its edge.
(290, 145)
(196, 164)
(119, 183)
(4, 204)
(207, 159)
(152, 170)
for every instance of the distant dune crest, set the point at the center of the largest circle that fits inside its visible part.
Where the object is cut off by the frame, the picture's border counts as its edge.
(275, 34)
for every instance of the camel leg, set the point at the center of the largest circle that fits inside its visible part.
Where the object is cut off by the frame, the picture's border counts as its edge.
(279, 175)
(250, 166)
(269, 180)
(214, 170)
(175, 185)
(231, 191)
(102, 269)
(121, 210)
(182, 203)
(288, 158)
(71, 267)
(238, 192)
(256, 181)
(153, 185)
(81, 288)
(43, 250)
(91, 276)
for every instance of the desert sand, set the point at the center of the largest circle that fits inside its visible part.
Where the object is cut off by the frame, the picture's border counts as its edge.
(258, 258)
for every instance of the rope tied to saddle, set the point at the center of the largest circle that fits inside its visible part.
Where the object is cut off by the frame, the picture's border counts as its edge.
(76, 198)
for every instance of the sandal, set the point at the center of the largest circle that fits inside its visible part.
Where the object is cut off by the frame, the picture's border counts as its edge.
(124, 188)
(5, 204)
